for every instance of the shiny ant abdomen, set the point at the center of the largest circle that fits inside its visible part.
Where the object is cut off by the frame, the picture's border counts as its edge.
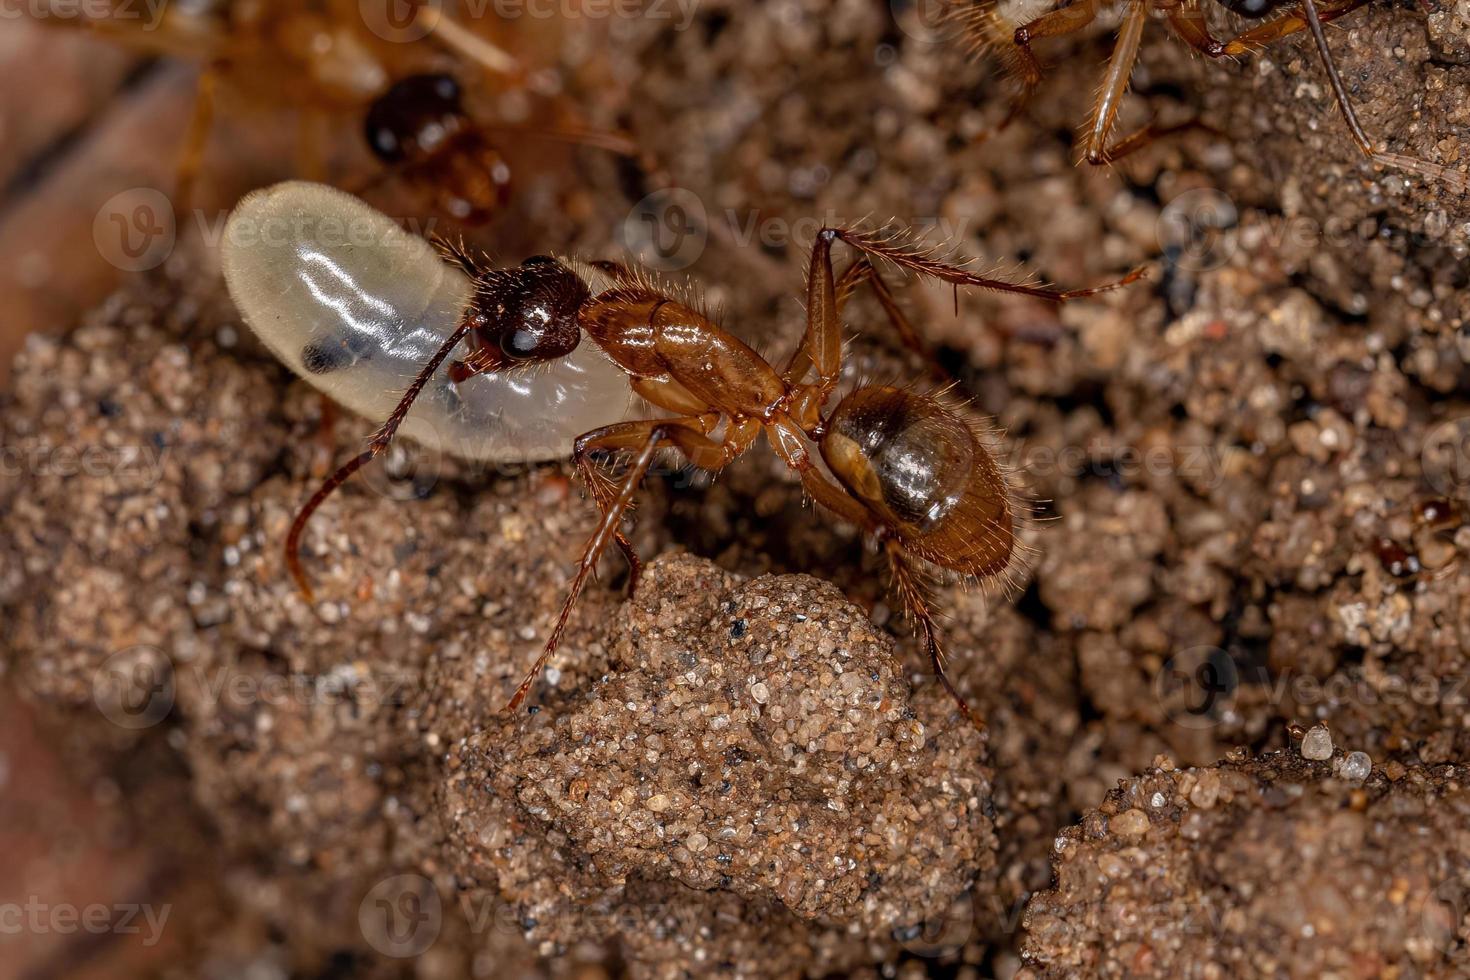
(914, 469)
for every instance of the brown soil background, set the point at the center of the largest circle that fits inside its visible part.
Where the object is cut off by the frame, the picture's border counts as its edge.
(1253, 468)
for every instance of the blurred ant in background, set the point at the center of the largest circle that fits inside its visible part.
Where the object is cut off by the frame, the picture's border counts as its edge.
(327, 58)
(1009, 29)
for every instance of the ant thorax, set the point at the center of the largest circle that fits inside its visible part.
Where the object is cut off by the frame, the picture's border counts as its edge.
(357, 306)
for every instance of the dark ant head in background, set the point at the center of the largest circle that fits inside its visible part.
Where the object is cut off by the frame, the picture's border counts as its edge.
(414, 118)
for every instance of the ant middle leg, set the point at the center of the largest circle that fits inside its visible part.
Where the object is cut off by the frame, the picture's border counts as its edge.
(909, 585)
(689, 436)
(1115, 82)
(862, 272)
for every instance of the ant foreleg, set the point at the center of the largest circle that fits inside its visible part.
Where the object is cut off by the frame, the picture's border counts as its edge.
(653, 435)
(689, 436)
(376, 446)
(604, 493)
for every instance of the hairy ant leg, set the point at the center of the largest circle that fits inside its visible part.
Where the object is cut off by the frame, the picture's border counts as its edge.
(379, 442)
(1187, 22)
(1056, 23)
(1350, 116)
(196, 138)
(909, 585)
(1115, 82)
(689, 436)
(1273, 29)
(922, 261)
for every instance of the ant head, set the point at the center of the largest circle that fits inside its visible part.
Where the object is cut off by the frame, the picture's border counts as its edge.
(532, 312)
(414, 117)
(903, 454)
(1251, 9)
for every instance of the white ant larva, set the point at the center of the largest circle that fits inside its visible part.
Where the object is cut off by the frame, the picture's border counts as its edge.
(357, 306)
(369, 314)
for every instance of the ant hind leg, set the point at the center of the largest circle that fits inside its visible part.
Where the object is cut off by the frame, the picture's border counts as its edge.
(911, 590)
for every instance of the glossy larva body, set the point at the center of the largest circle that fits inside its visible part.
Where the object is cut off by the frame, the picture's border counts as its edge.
(357, 306)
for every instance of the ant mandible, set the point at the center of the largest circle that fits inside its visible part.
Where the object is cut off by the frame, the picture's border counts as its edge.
(990, 26)
(913, 469)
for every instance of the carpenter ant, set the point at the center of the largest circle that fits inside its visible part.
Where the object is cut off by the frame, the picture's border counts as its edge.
(420, 129)
(914, 469)
(1010, 26)
(340, 57)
